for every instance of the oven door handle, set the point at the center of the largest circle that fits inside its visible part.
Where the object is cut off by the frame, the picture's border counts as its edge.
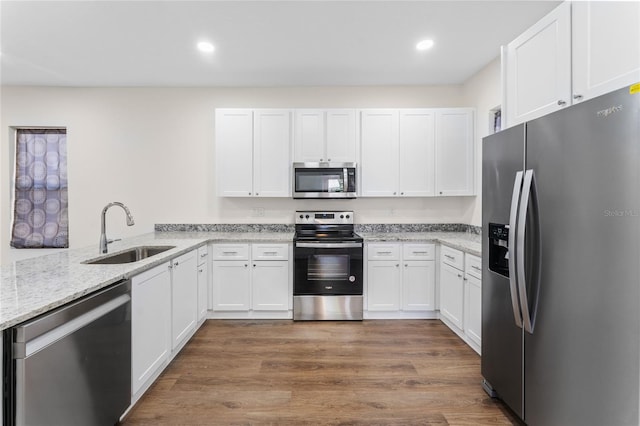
(329, 245)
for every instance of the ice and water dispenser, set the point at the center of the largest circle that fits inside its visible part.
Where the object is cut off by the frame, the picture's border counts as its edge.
(499, 248)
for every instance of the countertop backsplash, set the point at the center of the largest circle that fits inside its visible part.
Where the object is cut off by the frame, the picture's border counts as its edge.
(359, 227)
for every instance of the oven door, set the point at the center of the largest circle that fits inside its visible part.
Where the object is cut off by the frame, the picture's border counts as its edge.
(327, 268)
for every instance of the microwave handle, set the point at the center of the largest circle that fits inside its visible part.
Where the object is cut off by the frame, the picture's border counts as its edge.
(345, 181)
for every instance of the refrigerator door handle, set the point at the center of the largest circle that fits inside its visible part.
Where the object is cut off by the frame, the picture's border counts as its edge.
(513, 216)
(529, 192)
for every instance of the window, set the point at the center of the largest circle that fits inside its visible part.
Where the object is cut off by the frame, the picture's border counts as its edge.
(40, 218)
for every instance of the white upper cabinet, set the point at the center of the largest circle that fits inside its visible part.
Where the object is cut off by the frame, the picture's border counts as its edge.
(325, 135)
(454, 152)
(379, 134)
(417, 152)
(253, 152)
(538, 79)
(580, 50)
(234, 152)
(271, 153)
(606, 46)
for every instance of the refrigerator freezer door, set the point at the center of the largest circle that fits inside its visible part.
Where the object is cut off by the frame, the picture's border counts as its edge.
(582, 362)
(503, 157)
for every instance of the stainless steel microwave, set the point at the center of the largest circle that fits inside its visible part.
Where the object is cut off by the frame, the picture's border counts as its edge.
(324, 180)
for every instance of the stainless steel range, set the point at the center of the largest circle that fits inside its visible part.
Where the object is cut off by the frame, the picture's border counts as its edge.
(327, 283)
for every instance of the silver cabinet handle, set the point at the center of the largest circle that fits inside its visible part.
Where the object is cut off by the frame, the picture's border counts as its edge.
(577, 97)
(402, 193)
(229, 252)
(321, 159)
(270, 253)
(328, 159)
(384, 252)
(245, 265)
(513, 217)
(257, 194)
(419, 252)
(459, 276)
(562, 103)
(476, 268)
(203, 255)
(249, 193)
(449, 257)
(406, 265)
(254, 265)
(528, 191)
(397, 265)
(176, 263)
(394, 192)
(200, 270)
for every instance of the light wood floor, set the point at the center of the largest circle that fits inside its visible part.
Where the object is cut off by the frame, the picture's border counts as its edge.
(349, 373)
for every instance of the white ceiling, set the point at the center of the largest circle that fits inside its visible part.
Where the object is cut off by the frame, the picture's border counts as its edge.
(258, 43)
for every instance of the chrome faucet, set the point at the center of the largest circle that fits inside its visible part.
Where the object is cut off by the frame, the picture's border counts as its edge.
(103, 232)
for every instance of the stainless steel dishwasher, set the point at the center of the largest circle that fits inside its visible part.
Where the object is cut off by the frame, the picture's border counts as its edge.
(73, 366)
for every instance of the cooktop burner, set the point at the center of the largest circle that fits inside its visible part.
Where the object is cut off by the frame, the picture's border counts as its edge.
(325, 226)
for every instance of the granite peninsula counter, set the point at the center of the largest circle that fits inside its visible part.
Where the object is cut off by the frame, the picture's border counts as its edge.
(34, 286)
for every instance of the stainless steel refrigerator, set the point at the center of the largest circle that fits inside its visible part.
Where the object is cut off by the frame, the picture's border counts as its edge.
(561, 264)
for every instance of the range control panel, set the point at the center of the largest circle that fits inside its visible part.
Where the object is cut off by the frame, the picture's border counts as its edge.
(324, 218)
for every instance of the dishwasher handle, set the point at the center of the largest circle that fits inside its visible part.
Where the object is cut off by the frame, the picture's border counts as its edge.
(37, 334)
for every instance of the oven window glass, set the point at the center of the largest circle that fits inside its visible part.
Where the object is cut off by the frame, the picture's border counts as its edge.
(330, 180)
(330, 267)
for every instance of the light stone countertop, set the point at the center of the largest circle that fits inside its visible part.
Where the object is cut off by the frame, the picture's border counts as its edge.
(467, 242)
(34, 286)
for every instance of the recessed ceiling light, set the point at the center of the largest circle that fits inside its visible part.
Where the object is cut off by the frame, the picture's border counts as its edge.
(206, 47)
(424, 45)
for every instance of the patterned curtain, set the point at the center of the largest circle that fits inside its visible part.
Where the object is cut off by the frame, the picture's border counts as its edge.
(40, 211)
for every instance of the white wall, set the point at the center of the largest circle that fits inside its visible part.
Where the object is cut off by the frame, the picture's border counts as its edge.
(483, 92)
(153, 149)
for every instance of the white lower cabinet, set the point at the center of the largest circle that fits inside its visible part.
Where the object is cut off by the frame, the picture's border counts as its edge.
(269, 291)
(184, 298)
(451, 294)
(231, 285)
(461, 295)
(255, 284)
(383, 285)
(400, 280)
(203, 283)
(150, 326)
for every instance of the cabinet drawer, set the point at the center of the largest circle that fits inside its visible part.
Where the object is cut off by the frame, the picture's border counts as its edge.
(452, 257)
(231, 251)
(473, 266)
(203, 254)
(269, 251)
(384, 251)
(418, 251)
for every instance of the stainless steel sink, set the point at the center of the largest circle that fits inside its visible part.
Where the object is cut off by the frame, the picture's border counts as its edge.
(132, 255)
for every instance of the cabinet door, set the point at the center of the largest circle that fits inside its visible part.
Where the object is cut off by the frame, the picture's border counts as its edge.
(184, 296)
(150, 324)
(417, 158)
(539, 68)
(454, 149)
(234, 152)
(606, 46)
(270, 285)
(230, 285)
(341, 141)
(272, 153)
(203, 290)
(418, 285)
(309, 140)
(451, 294)
(379, 145)
(473, 309)
(383, 285)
